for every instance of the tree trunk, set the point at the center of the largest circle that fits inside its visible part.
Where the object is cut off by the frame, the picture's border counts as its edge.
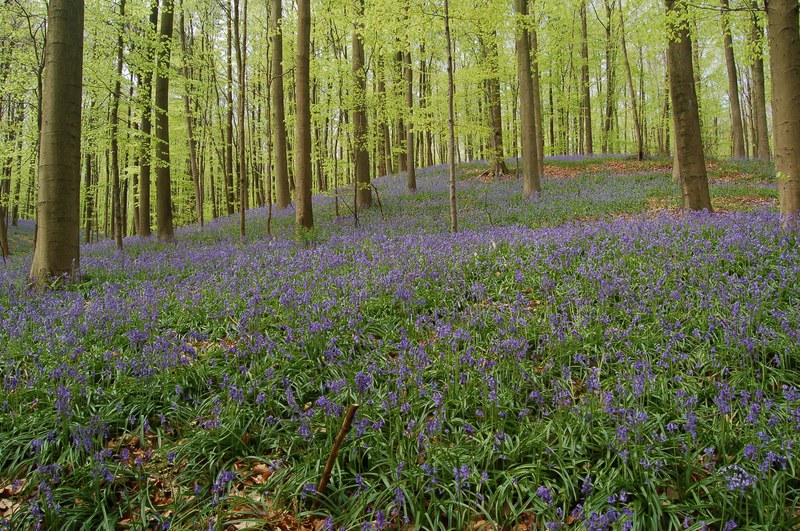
(240, 36)
(190, 119)
(270, 150)
(57, 250)
(425, 91)
(88, 198)
(784, 58)
(304, 215)
(552, 121)
(411, 169)
(537, 101)
(5, 196)
(278, 107)
(451, 120)
(163, 185)
(737, 128)
(586, 101)
(107, 202)
(634, 104)
(229, 194)
(17, 193)
(664, 144)
(608, 119)
(131, 158)
(400, 134)
(146, 95)
(5, 192)
(759, 98)
(492, 60)
(360, 152)
(384, 145)
(7, 163)
(698, 86)
(689, 157)
(531, 179)
(119, 223)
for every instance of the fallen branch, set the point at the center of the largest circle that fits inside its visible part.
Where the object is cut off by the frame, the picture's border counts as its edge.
(345, 429)
(378, 197)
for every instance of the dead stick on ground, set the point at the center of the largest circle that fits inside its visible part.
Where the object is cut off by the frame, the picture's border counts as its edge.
(346, 425)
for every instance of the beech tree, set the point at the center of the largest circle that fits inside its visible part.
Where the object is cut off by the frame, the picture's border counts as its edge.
(451, 118)
(586, 102)
(384, 154)
(531, 182)
(631, 89)
(360, 149)
(240, 37)
(163, 165)
(784, 53)
(278, 112)
(411, 169)
(610, 70)
(146, 97)
(537, 100)
(491, 57)
(5, 161)
(689, 162)
(117, 208)
(761, 137)
(228, 152)
(57, 250)
(191, 140)
(304, 214)
(737, 128)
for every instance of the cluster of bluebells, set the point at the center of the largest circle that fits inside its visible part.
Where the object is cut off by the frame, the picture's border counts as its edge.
(469, 355)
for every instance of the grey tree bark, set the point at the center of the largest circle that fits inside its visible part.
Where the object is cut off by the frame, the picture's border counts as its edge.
(304, 216)
(191, 141)
(537, 101)
(737, 128)
(586, 100)
(491, 58)
(146, 95)
(411, 169)
(759, 91)
(400, 133)
(117, 208)
(57, 250)
(451, 120)
(164, 227)
(283, 197)
(360, 147)
(531, 182)
(240, 36)
(689, 163)
(610, 60)
(229, 189)
(383, 137)
(784, 58)
(637, 125)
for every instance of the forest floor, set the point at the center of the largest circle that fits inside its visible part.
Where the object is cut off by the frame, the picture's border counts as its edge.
(20, 236)
(590, 358)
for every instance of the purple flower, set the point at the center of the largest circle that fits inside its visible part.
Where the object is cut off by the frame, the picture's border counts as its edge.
(586, 487)
(737, 478)
(461, 477)
(363, 382)
(309, 490)
(381, 521)
(545, 495)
